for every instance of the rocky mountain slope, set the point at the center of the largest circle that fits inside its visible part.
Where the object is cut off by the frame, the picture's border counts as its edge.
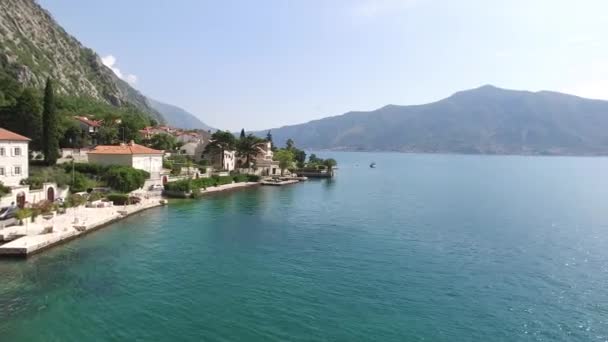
(33, 46)
(486, 120)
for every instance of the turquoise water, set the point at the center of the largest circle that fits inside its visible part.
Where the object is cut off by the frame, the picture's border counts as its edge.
(423, 248)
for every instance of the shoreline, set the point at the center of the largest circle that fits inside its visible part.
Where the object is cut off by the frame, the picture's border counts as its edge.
(80, 221)
(64, 230)
(228, 187)
(31, 237)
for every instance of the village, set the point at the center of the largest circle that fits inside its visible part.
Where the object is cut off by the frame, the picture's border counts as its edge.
(93, 185)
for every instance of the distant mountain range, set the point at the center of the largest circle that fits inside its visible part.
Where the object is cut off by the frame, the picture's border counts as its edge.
(179, 117)
(485, 120)
(33, 47)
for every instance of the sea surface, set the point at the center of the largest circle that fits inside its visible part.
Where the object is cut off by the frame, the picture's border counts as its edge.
(421, 248)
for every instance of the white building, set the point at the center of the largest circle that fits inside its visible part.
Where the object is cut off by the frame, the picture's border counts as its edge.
(228, 160)
(14, 165)
(262, 163)
(131, 154)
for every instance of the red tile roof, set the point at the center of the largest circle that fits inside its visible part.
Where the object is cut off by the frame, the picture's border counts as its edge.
(130, 148)
(5, 134)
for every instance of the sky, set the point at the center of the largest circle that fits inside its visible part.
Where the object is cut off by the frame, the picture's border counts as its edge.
(264, 64)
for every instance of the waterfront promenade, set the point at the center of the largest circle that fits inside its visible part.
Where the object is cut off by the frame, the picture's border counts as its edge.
(33, 237)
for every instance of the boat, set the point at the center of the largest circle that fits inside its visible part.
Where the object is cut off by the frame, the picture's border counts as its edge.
(372, 165)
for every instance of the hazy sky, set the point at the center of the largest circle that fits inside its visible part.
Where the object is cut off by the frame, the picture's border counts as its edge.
(267, 63)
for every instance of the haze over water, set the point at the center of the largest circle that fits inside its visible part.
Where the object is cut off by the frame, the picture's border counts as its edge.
(424, 247)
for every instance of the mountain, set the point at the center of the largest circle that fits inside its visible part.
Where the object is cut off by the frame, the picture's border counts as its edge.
(33, 47)
(485, 120)
(178, 117)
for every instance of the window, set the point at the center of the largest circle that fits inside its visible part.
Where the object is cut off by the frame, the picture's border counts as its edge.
(17, 151)
(1, 171)
(17, 170)
(2, 151)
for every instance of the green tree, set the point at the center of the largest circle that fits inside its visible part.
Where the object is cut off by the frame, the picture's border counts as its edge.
(163, 141)
(220, 141)
(75, 137)
(298, 155)
(107, 135)
(330, 164)
(289, 144)
(313, 159)
(248, 146)
(125, 178)
(28, 116)
(242, 134)
(130, 125)
(50, 141)
(285, 159)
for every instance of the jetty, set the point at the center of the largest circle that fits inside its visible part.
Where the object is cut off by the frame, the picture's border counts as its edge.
(278, 181)
(34, 237)
(313, 173)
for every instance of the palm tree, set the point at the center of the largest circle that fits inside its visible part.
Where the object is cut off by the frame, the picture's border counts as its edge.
(249, 146)
(330, 164)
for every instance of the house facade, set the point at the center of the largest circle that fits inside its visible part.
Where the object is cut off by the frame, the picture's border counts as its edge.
(193, 150)
(222, 161)
(14, 167)
(262, 163)
(131, 154)
(14, 164)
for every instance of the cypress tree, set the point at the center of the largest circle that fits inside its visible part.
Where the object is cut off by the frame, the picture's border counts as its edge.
(50, 142)
(28, 116)
(242, 133)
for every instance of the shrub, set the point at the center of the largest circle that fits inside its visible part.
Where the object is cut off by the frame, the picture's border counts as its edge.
(167, 164)
(22, 214)
(95, 196)
(87, 168)
(35, 182)
(176, 169)
(39, 175)
(125, 178)
(43, 207)
(179, 186)
(75, 200)
(240, 178)
(4, 190)
(118, 199)
(80, 183)
(246, 178)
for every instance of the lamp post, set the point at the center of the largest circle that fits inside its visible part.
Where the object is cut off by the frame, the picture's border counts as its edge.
(72, 161)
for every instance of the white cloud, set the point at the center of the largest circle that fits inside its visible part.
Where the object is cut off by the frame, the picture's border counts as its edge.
(374, 8)
(110, 62)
